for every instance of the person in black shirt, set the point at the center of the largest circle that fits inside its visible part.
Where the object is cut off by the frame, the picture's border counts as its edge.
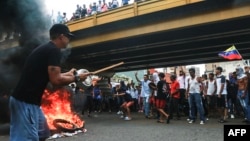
(41, 67)
(162, 91)
(128, 102)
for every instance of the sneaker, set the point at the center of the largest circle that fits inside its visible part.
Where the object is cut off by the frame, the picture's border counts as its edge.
(232, 116)
(207, 118)
(191, 121)
(188, 119)
(202, 122)
(127, 118)
(118, 113)
(121, 116)
(221, 121)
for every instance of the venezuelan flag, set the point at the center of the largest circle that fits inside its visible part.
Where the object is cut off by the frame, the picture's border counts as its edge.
(230, 54)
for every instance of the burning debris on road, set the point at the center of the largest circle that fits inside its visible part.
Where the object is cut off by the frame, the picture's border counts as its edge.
(62, 120)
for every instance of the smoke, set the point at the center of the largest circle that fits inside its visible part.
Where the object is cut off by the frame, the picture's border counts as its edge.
(28, 22)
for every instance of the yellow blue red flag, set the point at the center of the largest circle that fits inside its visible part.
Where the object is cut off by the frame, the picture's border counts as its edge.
(231, 54)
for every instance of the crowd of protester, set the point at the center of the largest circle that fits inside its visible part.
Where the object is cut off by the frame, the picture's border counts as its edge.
(186, 96)
(84, 10)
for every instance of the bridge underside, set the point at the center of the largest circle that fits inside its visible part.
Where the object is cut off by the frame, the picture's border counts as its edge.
(186, 45)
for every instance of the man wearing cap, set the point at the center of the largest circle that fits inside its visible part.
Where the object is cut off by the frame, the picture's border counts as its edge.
(42, 66)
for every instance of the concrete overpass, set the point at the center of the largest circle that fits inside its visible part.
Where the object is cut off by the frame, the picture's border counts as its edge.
(161, 33)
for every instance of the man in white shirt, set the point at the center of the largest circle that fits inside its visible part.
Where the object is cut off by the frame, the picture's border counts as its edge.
(221, 94)
(145, 93)
(181, 79)
(193, 92)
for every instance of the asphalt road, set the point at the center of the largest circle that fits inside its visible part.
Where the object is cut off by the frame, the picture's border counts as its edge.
(109, 127)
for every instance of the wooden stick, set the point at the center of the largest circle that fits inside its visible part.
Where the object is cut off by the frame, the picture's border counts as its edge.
(109, 67)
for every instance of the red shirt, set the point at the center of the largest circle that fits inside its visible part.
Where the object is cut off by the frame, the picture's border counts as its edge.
(173, 87)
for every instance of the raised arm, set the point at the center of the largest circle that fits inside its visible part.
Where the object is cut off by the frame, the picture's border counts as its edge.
(136, 77)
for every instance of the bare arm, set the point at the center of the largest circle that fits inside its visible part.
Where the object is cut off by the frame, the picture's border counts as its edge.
(120, 94)
(215, 88)
(57, 78)
(221, 89)
(188, 86)
(206, 87)
(246, 86)
(136, 77)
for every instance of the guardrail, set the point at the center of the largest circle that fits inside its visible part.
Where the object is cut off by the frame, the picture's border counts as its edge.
(125, 12)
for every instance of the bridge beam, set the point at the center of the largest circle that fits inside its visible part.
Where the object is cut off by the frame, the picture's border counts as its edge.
(209, 16)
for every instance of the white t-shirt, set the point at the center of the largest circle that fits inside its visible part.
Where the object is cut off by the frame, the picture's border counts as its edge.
(210, 87)
(194, 85)
(220, 79)
(132, 92)
(145, 90)
(156, 78)
(181, 80)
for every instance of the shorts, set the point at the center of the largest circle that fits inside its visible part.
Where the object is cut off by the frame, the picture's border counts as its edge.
(27, 122)
(222, 101)
(127, 104)
(160, 103)
(152, 100)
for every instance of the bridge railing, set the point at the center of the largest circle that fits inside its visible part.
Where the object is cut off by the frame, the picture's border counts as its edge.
(125, 12)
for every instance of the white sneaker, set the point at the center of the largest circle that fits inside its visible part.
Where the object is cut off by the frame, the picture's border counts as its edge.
(188, 119)
(127, 118)
(121, 112)
(207, 118)
(121, 116)
(191, 121)
(118, 113)
(232, 116)
(202, 122)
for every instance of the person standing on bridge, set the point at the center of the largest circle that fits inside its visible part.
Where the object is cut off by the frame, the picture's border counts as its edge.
(42, 66)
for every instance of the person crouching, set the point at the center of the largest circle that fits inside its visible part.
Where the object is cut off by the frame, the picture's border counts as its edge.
(128, 102)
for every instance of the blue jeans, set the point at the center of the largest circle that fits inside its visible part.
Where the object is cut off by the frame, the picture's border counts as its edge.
(244, 103)
(196, 102)
(248, 109)
(146, 105)
(27, 122)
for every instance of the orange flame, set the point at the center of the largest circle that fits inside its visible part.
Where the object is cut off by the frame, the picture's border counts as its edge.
(57, 105)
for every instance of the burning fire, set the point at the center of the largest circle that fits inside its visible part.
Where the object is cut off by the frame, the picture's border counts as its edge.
(57, 105)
